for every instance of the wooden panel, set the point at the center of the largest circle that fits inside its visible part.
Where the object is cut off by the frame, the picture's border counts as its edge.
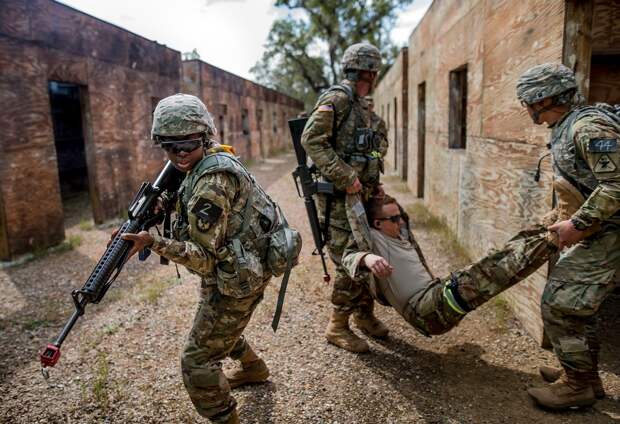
(518, 35)
(578, 41)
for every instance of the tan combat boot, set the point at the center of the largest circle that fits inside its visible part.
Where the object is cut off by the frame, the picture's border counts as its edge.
(370, 325)
(253, 370)
(338, 333)
(552, 374)
(573, 389)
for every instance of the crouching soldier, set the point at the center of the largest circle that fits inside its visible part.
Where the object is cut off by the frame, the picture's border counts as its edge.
(222, 233)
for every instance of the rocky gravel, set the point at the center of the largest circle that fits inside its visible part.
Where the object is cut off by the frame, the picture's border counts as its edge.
(121, 362)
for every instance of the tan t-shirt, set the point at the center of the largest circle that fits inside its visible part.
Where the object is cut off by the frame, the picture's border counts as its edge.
(409, 276)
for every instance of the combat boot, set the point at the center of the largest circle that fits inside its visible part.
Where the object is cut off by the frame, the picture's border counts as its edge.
(574, 388)
(552, 374)
(370, 325)
(339, 334)
(252, 370)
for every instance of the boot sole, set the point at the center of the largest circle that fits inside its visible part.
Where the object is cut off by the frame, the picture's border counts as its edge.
(597, 394)
(583, 404)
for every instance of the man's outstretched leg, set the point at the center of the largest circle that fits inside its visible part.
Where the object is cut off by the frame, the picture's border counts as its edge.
(443, 304)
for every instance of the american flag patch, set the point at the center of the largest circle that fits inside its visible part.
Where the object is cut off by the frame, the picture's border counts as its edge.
(325, 108)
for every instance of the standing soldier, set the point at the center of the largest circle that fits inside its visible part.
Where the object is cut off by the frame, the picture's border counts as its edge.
(584, 146)
(223, 216)
(340, 141)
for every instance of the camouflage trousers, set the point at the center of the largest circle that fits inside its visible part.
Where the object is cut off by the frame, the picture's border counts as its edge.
(431, 311)
(215, 335)
(579, 283)
(347, 295)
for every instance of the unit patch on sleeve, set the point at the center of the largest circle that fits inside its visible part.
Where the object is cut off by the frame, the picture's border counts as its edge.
(605, 164)
(603, 145)
(206, 211)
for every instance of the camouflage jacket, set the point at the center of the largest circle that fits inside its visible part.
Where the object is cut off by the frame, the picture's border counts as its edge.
(211, 213)
(585, 149)
(332, 138)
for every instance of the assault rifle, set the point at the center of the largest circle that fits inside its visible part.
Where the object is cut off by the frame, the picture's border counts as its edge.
(142, 216)
(306, 177)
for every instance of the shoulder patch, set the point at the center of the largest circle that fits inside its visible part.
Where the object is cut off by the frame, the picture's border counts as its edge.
(325, 108)
(206, 211)
(605, 164)
(603, 145)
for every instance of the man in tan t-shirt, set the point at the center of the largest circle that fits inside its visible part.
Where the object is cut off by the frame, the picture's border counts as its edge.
(385, 252)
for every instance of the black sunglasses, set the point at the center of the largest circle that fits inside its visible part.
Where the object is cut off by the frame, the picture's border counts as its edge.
(394, 218)
(179, 146)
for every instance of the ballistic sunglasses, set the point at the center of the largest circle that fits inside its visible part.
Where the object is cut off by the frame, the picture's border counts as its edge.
(179, 146)
(394, 218)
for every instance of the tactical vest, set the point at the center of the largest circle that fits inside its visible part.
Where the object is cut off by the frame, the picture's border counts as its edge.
(353, 140)
(566, 161)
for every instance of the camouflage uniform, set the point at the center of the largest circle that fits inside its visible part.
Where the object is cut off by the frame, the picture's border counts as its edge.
(330, 138)
(212, 222)
(584, 145)
(435, 305)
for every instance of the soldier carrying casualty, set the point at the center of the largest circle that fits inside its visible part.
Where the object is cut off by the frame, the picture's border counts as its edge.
(385, 254)
(227, 231)
(586, 160)
(341, 142)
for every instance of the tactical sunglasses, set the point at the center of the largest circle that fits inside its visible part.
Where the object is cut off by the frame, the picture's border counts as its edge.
(394, 218)
(179, 146)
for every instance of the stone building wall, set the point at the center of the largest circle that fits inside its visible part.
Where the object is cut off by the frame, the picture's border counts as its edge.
(120, 77)
(485, 190)
(250, 117)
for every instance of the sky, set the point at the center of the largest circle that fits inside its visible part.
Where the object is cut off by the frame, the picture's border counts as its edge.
(226, 33)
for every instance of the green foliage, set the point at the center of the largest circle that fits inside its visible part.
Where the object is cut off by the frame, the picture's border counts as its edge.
(152, 289)
(100, 385)
(303, 49)
(86, 224)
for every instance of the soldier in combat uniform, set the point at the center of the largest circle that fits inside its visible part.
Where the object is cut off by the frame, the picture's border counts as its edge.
(222, 216)
(585, 151)
(340, 141)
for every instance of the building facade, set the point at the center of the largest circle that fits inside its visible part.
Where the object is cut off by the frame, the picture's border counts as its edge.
(464, 59)
(78, 95)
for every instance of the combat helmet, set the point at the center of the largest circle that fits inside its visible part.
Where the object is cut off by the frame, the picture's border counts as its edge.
(361, 57)
(181, 114)
(546, 80)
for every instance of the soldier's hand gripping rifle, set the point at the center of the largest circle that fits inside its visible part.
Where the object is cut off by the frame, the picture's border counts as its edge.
(305, 177)
(142, 216)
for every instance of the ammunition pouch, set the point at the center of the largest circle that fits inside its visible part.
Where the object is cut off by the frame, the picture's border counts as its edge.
(284, 242)
(239, 272)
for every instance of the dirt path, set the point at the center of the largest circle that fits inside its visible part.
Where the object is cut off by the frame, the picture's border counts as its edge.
(121, 363)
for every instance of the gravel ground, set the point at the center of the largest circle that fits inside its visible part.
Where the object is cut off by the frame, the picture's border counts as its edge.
(121, 362)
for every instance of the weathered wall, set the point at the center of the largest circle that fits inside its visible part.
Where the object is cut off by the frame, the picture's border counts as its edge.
(390, 103)
(119, 72)
(228, 97)
(121, 77)
(485, 192)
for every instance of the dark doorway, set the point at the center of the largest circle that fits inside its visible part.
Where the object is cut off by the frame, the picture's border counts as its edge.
(395, 135)
(68, 122)
(421, 137)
